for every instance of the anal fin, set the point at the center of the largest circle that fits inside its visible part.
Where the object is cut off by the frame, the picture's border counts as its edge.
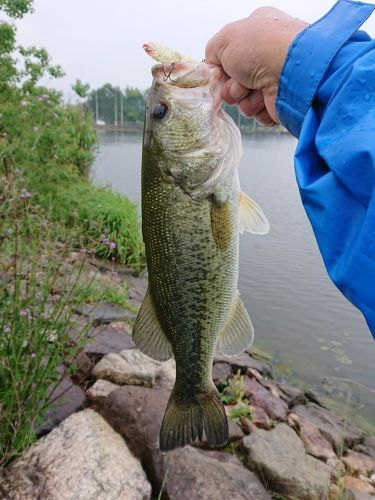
(238, 333)
(148, 334)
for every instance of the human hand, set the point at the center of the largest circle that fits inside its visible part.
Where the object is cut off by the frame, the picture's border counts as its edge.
(252, 52)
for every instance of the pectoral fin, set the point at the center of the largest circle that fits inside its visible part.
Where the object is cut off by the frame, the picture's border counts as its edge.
(147, 333)
(238, 333)
(252, 218)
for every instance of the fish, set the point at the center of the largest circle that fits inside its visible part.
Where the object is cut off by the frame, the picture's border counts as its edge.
(192, 213)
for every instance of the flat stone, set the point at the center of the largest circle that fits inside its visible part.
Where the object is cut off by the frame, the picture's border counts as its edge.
(259, 396)
(104, 313)
(358, 462)
(131, 367)
(337, 431)
(294, 395)
(81, 459)
(280, 456)
(67, 399)
(100, 390)
(200, 475)
(81, 365)
(109, 339)
(315, 444)
(314, 398)
(244, 361)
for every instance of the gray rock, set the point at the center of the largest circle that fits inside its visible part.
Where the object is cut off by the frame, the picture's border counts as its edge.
(100, 390)
(67, 398)
(82, 459)
(367, 447)
(337, 431)
(109, 339)
(131, 367)
(244, 361)
(294, 395)
(315, 444)
(136, 413)
(201, 475)
(360, 463)
(314, 398)
(259, 396)
(279, 456)
(104, 313)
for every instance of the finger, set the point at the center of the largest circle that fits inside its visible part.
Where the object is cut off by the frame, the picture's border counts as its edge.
(252, 104)
(233, 92)
(264, 118)
(212, 55)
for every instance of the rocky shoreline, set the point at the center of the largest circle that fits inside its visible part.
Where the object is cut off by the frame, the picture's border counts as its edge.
(101, 440)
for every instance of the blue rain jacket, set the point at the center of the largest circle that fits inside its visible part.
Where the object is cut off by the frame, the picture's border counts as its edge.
(326, 98)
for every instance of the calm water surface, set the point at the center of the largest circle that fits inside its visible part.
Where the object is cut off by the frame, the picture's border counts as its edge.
(316, 335)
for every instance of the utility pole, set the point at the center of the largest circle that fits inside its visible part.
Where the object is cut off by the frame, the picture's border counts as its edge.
(115, 103)
(121, 108)
(96, 107)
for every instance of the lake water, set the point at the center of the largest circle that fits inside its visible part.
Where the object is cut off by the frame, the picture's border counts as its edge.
(316, 336)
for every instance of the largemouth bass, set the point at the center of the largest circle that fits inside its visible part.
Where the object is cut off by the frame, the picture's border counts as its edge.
(192, 212)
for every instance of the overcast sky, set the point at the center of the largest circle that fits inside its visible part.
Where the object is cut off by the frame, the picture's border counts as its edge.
(101, 41)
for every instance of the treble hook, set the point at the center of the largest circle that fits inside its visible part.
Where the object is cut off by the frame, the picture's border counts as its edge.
(168, 76)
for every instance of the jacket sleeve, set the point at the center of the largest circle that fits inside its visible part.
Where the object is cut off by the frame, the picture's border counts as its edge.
(326, 98)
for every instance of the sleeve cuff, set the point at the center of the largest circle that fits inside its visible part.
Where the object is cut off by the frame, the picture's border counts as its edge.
(309, 57)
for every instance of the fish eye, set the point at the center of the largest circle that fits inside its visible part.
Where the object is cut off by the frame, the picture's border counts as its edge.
(160, 110)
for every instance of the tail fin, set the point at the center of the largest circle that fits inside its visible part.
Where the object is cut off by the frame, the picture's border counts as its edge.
(185, 420)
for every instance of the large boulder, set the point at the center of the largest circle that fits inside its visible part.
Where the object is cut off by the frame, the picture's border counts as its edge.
(339, 432)
(200, 475)
(279, 456)
(82, 459)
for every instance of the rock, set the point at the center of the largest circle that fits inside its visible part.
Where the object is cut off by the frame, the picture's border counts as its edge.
(357, 495)
(314, 398)
(110, 339)
(201, 475)
(271, 385)
(337, 468)
(368, 446)
(136, 413)
(101, 389)
(220, 373)
(235, 434)
(280, 456)
(247, 426)
(315, 444)
(259, 417)
(244, 361)
(259, 396)
(338, 432)
(68, 398)
(82, 366)
(356, 485)
(294, 395)
(358, 462)
(258, 353)
(104, 313)
(133, 368)
(81, 459)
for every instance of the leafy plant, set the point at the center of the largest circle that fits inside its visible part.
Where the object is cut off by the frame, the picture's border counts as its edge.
(234, 392)
(238, 411)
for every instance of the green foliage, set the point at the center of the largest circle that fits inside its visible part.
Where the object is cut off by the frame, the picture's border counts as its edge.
(81, 89)
(238, 411)
(116, 105)
(37, 299)
(234, 392)
(16, 8)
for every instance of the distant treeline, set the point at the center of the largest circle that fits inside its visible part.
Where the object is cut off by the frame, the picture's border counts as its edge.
(113, 106)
